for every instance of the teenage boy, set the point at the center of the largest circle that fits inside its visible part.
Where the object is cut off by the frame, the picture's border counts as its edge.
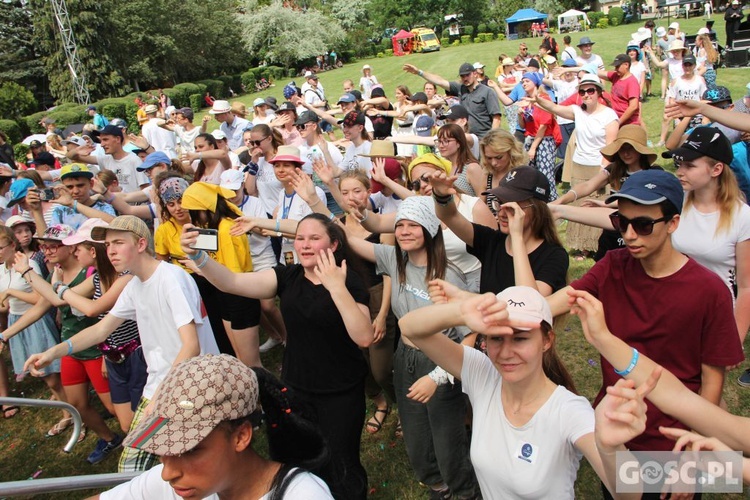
(660, 301)
(123, 163)
(626, 91)
(83, 366)
(165, 303)
(74, 203)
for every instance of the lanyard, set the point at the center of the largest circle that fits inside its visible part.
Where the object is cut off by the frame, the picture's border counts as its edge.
(244, 200)
(284, 207)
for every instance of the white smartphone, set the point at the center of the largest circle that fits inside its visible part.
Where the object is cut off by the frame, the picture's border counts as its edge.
(208, 239)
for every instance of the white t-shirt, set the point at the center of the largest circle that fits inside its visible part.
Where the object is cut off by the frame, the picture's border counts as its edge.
(352, 158)
(385, 204)
(366, 83)
(590, 134)
(310, 153)
(268, 186)
(258, 120)
(637, 69)
(187, 139)
(536, 460)
(455, 248)
(128, 177)
(696, 237)
(295, 208)
(261, 250)
(150, 486)
(159, 138)
(691, 90)
(166, 301)
(564, 89)
(675, 68)
(568, 53)
(11, 280)
(594, 59)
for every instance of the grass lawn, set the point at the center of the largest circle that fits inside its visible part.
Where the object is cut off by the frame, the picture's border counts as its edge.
(25, 449)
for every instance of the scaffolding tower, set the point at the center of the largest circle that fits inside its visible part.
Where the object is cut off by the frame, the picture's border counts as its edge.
(80, 89)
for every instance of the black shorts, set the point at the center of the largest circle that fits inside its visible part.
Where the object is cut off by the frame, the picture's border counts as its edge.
(241, 312)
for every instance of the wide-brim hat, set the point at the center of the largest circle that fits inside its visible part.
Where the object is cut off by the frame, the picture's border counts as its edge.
(382, 149)
(591, 80)
(677, 45)
(150, 109)
(220, 107)
(289, 154)
(585, 41)
(633, 135)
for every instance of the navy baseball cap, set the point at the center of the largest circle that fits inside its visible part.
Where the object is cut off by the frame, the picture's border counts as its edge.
(112, 130)
(651, 187)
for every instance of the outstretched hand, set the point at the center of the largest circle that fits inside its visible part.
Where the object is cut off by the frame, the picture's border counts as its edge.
(331, 276)
(488, 315)
(681, 109)
(442, 292)
(621, 414)
(242, 225)
(303, 186)
(591, 312)
(442, 183)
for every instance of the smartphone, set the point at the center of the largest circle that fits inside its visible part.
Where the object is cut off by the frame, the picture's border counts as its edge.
(47, 194)
(208, 239)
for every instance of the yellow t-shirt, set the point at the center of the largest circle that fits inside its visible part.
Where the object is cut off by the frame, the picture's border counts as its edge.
(234, 251)
(167, 242)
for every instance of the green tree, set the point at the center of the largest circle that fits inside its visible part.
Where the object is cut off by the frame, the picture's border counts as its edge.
(285, 36)
(91, 22)
(15, 101)
(19, 62)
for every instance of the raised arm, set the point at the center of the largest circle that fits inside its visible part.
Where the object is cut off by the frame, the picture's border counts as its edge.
(435, 79)
(445, 207)
(731, 119)
(583, 189)
(93, 308)
(378, 174)
(507, 101)
(590, 216)
(547, 105)
(83, 154)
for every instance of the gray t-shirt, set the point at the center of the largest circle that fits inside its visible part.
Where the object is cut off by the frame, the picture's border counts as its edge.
(482, 104)
(413, 293)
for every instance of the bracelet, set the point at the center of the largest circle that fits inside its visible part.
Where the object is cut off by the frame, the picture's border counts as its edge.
(70, 347)
(574, 193)
(2, 339)
(252, 168)
(420, 72)
(75, 205)
(61, 291)
(56, 285)
(196, 255)
(110, 199)
(202, 263)
(23, 274)
(364, 217)
(633, 362)
(314, 203)
(278, 225)
(442, 200)
(439, 376)
(332, 217)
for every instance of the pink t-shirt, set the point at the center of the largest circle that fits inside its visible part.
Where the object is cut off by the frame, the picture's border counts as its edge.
(622, 91)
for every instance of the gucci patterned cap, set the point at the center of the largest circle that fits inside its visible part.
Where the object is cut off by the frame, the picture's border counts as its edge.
(197, 395)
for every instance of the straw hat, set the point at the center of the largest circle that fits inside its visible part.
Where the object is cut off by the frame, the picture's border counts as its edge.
(677, 45)
(633, 135)
(508, 62)
(382, 149)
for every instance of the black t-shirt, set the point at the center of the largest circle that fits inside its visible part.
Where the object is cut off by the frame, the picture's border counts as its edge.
(549, 262)
(382, 125)
(320, 357)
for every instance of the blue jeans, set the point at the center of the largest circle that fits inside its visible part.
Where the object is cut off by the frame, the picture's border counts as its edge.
(434, 433)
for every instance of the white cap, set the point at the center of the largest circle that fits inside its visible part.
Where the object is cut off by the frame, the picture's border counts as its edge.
(704, 31)
(478, 65)
(674, 26)
(526, 304)
(232, 179)
(366, 66)
(660, 31)
(75, 139)
(218, 134)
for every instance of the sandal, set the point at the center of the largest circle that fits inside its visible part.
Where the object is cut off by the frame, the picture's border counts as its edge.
(375, 424)
(13, 410)
(399, 431)
(82, 435)
(60, 426)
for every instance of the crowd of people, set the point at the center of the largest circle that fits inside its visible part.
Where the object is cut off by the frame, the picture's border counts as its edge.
(415, 262)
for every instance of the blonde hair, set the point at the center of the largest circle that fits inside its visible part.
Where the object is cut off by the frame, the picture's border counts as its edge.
(358, 175)
(728, 197)
(711, 55)
(502, 141)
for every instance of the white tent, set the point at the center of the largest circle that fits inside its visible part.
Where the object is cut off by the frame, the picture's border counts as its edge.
(573, 17)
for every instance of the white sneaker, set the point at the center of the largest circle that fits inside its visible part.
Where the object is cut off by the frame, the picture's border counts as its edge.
(269, 344)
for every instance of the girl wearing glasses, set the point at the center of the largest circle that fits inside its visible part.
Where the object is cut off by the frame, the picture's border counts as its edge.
(208, 160)
(263, 142)
(596, 125)
(453, 146)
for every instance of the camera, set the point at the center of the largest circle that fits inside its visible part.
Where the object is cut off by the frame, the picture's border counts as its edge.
(47, 194)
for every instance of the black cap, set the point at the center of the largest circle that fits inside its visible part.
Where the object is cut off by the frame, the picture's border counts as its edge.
(44, 158)
(356, 93)
(689, 59)
(456, 112)
(703, 141)
(620, 59)
(533, 64)
(307, 117)
(418, 96)
(36, 144)
(112, 130)
(377, 92)
(466, 69)
(353, 118)
(287, 106)
(521, 184)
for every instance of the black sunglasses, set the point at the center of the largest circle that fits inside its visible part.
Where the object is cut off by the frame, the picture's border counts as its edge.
(417, 184)
(257, 143)
(589, 91)
(643, 226)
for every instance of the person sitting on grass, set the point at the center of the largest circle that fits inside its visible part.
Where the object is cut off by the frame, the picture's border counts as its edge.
(205, 442)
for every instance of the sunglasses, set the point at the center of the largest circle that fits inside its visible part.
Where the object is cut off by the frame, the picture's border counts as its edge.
(301, 127)
(589, 91)
(498, 205)
(257, 143)
(417, 184)
(643, 226)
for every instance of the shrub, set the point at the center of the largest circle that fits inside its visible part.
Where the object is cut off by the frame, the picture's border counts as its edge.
(65, 118)
(380, 55)
(216, 87)
(15, 100)
(20, 151)
(468, 30)
(616, 16)
(112, 108)
(249, 80)
(32, 122)
(182, 91)
(603, 23)
(465, 39)
(501, 36)
(481, 28)
(388, 52)
(386, 43)
(175, 96)
(196, 102)
(478, 40)
(594, 17)
(493, 27)
(131, 115)
(12, 129)
(456, 43)
(445, 42)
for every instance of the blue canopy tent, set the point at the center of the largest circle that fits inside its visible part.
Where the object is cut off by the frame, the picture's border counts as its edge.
(520, 22)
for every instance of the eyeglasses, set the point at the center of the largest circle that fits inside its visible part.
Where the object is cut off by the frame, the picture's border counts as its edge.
(49, 248)
(643, 226)
(589, 91)
(257, 143)
(445, 140)
(417, 184)
(497, 205)
(6, 246)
